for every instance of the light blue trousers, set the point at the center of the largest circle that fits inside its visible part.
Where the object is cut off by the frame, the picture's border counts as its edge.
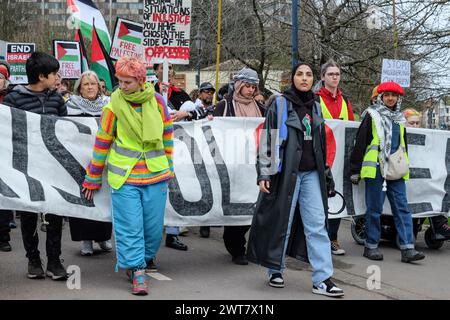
(138, 220)
(307, 193)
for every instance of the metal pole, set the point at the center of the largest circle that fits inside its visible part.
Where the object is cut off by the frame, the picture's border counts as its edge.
(395, 29)
(110, 14)
(219, 24)
(294, 35)
(198, 68)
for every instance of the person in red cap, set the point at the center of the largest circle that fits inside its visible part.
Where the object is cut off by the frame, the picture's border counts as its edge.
(380, 158)
(4, 79)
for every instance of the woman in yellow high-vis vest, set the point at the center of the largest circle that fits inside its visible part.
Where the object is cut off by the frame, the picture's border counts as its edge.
(135, 138)
(334, 106)
(382, 135)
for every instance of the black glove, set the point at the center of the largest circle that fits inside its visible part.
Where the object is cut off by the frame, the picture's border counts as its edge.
(331, 192)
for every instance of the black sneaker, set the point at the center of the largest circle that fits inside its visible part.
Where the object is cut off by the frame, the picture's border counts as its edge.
(410, 255)
(240, 260)
(373, 254)
(173, 242)
(55, 270)
(151, 266)
(204, 232)
(5, 246)
(35, 270)
(276, 280)
(328, 288)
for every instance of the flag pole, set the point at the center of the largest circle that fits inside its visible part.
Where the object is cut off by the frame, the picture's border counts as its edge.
(219, 22)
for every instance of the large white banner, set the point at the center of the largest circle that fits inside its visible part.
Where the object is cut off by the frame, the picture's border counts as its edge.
(43, 159)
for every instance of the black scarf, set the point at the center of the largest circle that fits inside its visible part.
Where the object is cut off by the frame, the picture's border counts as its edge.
(303, 103)
(300, 98)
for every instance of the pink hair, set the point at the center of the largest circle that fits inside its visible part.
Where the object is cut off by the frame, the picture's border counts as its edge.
(410, 112)
(131, 68)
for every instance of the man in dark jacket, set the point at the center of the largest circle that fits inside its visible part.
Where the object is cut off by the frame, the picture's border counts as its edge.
(38, 97)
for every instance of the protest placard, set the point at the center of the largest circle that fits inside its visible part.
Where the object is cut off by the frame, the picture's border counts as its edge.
(167, 31)
(398, 71)
(69, 56)
(127, 41)
(17, 55)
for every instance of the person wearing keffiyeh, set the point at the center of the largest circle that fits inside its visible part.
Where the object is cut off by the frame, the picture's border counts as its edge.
(381, 134)
(88, 101)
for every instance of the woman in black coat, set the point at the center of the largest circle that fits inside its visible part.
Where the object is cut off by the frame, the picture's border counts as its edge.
(302, 177)
(240, 103)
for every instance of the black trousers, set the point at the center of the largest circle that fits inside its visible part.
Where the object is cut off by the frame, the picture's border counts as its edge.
(234, 239)
(30, 235)
(333, 228)
(6, 217)
(84, 229)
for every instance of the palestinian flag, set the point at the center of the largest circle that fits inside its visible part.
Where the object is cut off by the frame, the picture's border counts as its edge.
(85, 12)
(130, 32)
(84, 61)
(101, 63)
(66, 51)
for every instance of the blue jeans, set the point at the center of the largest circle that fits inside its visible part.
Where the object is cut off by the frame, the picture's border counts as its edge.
(307, 193)
(138, 220)
(396, 192)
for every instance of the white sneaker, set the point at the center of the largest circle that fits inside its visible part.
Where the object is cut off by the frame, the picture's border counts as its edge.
(276, 280)
(86, 248)
(336, 248)
(105, 245)
(328, 288)
(183, 231)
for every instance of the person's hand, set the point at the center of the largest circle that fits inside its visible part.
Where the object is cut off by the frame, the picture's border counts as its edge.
(164, 87)
(354, 178)
(88, 193)
(264, 186)
(179, 115)
(210, 117)
(331, 193)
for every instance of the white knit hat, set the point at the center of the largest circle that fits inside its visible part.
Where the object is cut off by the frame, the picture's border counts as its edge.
(247, 75)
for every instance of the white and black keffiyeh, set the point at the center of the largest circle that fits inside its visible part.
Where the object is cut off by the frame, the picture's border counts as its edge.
(78, 105)
(383, 118)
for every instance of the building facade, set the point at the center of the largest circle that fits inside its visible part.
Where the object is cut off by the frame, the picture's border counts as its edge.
(438, 115)
(56, 11)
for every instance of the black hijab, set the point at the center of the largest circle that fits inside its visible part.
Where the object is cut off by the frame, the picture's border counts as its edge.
(297, 97)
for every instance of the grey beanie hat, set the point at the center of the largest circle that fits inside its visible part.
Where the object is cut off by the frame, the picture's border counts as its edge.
(247, 75)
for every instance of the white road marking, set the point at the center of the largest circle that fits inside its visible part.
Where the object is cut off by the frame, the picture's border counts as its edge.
(158, 276)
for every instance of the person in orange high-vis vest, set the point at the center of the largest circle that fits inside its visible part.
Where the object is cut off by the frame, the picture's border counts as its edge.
(334, 106)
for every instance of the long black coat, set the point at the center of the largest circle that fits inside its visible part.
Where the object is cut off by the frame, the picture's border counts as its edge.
(270, 220)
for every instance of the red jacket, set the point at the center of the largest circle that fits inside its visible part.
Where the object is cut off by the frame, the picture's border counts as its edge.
(334, 104)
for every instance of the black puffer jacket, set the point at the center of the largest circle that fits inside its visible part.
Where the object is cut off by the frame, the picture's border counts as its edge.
(46, 102)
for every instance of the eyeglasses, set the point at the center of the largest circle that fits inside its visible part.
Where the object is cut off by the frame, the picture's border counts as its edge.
(208, 92)
(337, 74)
